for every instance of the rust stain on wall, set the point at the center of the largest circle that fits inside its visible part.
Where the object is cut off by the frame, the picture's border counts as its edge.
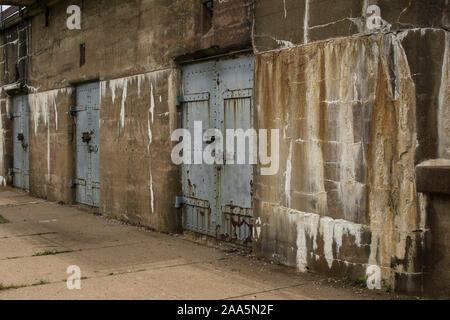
(347, 112)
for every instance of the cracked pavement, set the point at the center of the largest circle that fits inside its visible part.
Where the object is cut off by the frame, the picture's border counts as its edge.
(41, 239)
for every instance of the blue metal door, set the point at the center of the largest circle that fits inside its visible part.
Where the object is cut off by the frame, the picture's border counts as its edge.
(87, 182)
(217, 198)
(21, 138)
(235, 94)
(199, 187)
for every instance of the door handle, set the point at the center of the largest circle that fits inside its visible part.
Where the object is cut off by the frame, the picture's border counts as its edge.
(21, 138)
(86, 137)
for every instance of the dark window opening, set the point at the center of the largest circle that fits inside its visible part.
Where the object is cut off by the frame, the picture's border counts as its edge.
(207, 15)
(17, 75)
(47, 16)
(82, 54)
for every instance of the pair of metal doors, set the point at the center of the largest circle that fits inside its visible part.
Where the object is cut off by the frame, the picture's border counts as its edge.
(217, 198)
(87, 112)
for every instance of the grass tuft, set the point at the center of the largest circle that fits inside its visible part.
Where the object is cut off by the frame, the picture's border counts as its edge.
(50, 253)
(361, 282)
(3, 220)
(14, 286)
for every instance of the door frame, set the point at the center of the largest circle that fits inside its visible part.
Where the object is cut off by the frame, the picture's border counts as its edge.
(74, 110)
(180, 201)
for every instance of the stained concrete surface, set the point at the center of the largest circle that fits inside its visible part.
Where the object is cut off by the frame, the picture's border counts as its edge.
(119, 261)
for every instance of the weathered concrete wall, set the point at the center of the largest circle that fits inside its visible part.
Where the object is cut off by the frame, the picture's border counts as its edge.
(138, 180)
(14, 61)
(6, 146)
(130, 47)
(52, 132)
(358, 109)
(349, 113)
(286, 23)
(437, 272)
(433, 179)
(14, 53)
(122, 38)
(231, 26)
(126, 38)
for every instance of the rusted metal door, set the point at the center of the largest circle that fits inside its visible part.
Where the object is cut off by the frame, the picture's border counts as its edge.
(217, 198)
(87, 110)
(21, 138)
(236, 180)
(199, 186)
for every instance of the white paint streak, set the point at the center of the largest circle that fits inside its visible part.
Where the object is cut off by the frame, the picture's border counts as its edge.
(123, 84)
(40, 106)
(288, 176)
(327, 232)
(48, 154)
(151, 119)
(310, 226)
(307, 226)
(258, 228)
(56, 113)
(306, 23)
(152, 199)
(151, 116)
(152, 102)
(285, 43)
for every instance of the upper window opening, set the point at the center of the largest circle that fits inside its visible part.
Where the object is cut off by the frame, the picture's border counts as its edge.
(47, 16)
(208, 11)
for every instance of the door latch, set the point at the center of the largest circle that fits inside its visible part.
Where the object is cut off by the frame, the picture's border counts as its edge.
(21, 138)
(73, 112)
(86, 137)
(93, 149)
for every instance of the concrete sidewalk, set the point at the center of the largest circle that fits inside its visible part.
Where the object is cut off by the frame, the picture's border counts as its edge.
(39, 240)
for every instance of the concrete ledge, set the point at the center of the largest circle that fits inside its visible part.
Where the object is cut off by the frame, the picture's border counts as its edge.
(433, 176)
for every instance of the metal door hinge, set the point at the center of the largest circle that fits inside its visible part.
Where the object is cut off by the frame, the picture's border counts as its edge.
(73, 183)
(11, 115)
(238, 94)
(196, 97)
(179, 201)
(74, 109)
(193, 202)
